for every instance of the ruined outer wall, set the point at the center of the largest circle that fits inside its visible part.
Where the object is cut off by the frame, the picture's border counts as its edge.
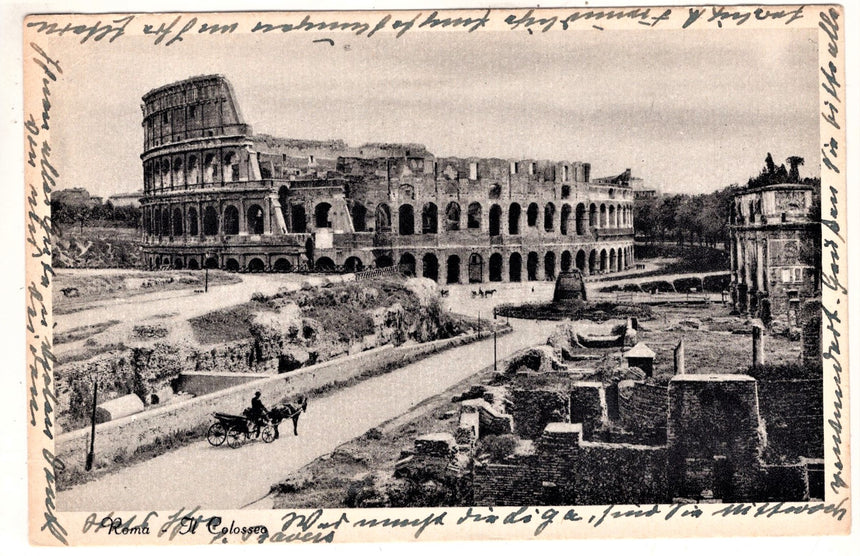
(643, 409)
(793, 413)
(515, 484)
(621, 473)
(123, 437)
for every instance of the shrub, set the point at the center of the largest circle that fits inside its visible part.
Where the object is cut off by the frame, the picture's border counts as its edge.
(497, 448)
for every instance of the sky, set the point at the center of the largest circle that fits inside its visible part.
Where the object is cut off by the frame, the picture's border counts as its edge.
(689, 112)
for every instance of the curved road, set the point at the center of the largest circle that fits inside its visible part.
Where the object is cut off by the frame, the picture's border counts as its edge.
(223, 478)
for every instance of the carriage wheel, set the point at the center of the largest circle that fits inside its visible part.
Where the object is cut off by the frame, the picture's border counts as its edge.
(235, 437)
(268, 434)
(216, 434)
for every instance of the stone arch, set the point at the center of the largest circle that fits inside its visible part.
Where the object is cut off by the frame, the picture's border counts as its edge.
(165, 172)
(256, 265)
(406, 220)
(192, 170)
(453, 270)
(495, 192)
(325, 264)
(231, 220)
(612, 221)
(495, 267)
(353, 264)
(532, 262)
(210, 263)
(565, 219)
(282, 265)
(178, 264)
(603, 216)
(178, 228)
(321, 215)
(474, 214)
(613, 260)
(232, 265)
(165, 221)
(299, 219)
(430, 266)
(358, 213)
(604, 260)
(581, 219)
(495, 220)
(592, 216)
(592, 261)
(231, 166)
(549, 266)
(383, 218)
(580, 260)
(178, 171)
(429, 219)
(452, 217)
(193, 264)
(476, 268)
(515, 268)
(193, 222)
(514, 219)
(549, 217)
(256, 220)
(210, 168)
(532, 215)
(620, 258)
(407, 264)
(566, 261)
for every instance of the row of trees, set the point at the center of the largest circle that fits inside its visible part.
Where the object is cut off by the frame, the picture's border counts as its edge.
(105, 214)
(702, 218)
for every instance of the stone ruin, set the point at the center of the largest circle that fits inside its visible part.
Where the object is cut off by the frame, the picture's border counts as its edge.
(569, 286)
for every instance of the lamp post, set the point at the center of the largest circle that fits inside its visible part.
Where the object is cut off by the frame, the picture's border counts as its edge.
(91, 453)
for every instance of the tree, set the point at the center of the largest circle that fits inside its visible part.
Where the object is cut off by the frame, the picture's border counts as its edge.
(794, 173)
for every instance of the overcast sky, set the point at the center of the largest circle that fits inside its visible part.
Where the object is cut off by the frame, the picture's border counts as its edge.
(687, 111)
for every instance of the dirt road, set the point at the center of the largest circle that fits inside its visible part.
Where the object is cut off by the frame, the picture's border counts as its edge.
(223, 478)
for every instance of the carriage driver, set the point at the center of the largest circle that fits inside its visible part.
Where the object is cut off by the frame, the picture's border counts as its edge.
(258, 411)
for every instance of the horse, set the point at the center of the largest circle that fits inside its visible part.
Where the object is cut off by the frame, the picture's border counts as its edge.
(283, 411)
(489, 293)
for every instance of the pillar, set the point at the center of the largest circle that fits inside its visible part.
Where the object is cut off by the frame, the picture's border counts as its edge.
(679, 358)
(758, 345)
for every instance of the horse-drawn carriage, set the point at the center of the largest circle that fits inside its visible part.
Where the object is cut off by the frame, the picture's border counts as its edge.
(237, 429)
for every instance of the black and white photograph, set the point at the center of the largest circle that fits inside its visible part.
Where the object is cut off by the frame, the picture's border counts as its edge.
(410, 274)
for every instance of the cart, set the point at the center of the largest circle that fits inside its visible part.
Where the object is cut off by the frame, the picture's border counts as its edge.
(237, 429)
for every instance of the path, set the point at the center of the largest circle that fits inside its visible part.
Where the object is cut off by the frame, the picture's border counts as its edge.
(223, 478)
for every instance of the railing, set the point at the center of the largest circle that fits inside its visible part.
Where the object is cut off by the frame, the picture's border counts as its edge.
(377, 272)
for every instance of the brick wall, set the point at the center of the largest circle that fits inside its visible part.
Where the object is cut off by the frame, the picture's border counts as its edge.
(793, 414)
(515, 484)
(621, 474)
(533, 409)
(642, 410)
(588, 406)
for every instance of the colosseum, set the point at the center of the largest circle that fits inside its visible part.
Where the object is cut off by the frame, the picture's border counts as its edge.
(218, 196)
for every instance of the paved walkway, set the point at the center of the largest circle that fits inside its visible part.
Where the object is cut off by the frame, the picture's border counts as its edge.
(223, 478)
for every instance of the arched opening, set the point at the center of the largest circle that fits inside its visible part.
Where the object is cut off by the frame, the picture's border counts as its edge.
(231, 220)
(165, 172)
(210, 168)
(193, 264)
(178, 264)
(255, 220)
(452, 217)
(549, 266)
(515, 268)
(592, 262)
(353, 264)
(532, 266)
(256, 265)
(210, 221)
(321, 215)
(474, 216)
(231, 167)
(177, 222)
(383, 218)
(580, 219)
(592, 216)
(178, 172)
(211, 263)
(495, 191)
(565, 218)
(407, 264)
(620, 259)
(193, 172)
(476, 268)
(383, 261)
(232, 265)
(549, 217)
(495, 267)
(406, 220)
(165, 221)
(193, 228)
(612, 215)
(566, 261)
(604, 260)
(613, 260)
(602, 216)
(157, 262)
(514, 219)
(429, 219)
(282, 265)
(300, 219)
(431, 267)
(495, 220)
(453, 274)
(310, 250)
(532, 215)
(324, 264)
(580, 260)
(359, 216)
